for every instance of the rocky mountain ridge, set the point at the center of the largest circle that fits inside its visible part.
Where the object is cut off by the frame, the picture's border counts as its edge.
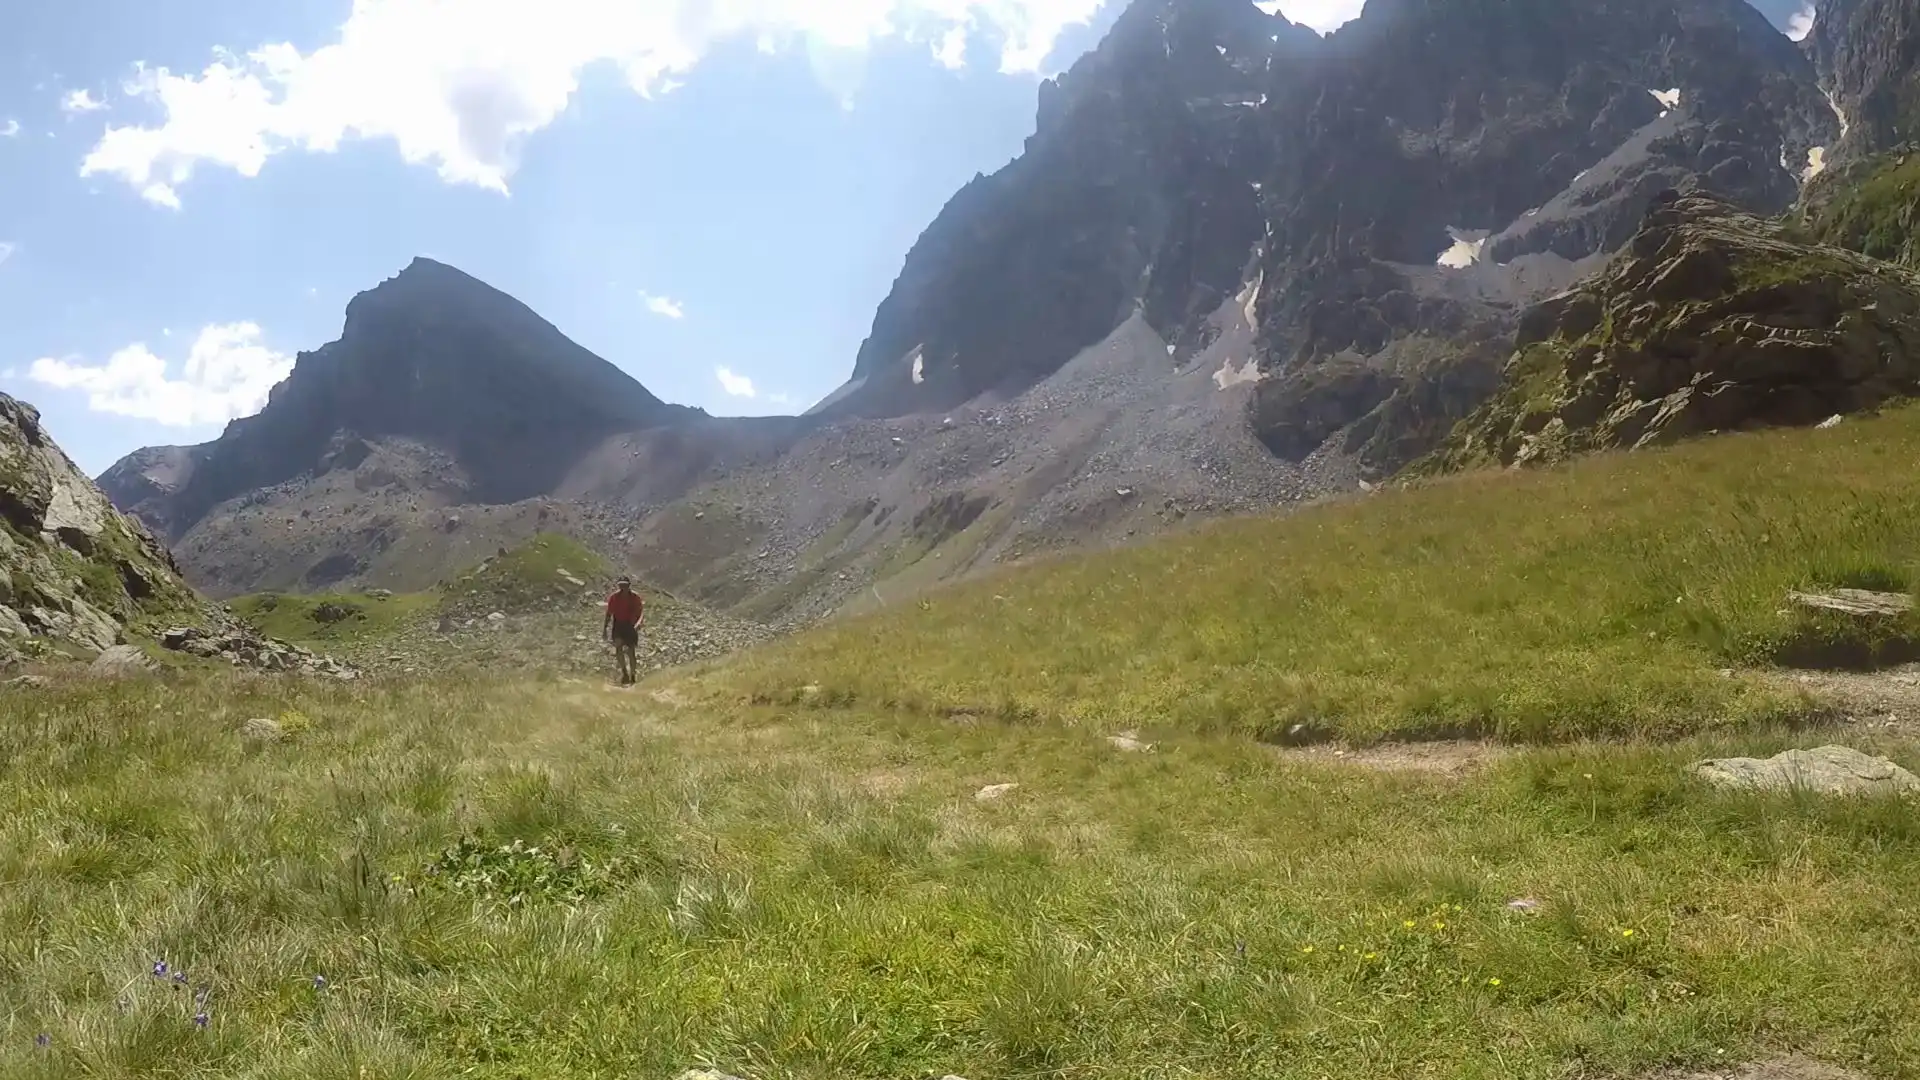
(1239, 264)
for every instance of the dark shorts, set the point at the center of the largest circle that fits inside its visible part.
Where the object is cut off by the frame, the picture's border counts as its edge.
(626, 633)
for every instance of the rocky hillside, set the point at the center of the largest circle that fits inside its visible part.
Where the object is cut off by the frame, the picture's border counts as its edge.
(75, 575)
(1711, 320)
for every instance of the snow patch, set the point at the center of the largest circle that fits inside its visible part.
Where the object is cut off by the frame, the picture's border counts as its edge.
(919, 364)
(1816, 163)
(1668, 99)
(1222, 49)
(1250, 298)
(1466, 250)
(1248, 374)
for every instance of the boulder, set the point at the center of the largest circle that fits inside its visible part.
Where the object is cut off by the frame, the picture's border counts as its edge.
(1827, 770)
(261, 729)
(121, 661)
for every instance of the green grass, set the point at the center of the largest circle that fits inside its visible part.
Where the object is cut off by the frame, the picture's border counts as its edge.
(531, 575)
(333, 618)
(786, 897)
(1603, 598)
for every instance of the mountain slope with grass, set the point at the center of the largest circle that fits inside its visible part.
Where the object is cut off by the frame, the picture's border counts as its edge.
(1621, 595)
(1711, 320)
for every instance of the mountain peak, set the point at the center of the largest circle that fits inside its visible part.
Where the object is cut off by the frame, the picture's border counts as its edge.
(433, 356)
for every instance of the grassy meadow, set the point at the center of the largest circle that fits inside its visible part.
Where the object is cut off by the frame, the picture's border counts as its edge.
(544, 878)
(802, 863)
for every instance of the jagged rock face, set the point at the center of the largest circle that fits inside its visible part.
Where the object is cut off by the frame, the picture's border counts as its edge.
(1425, 116)
(1868, 53)
(1136, 191)
(431, 355)
(1711, 320)
(73, 571)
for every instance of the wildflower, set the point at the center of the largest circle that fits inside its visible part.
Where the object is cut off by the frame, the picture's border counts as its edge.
(179, 978)
(320, 981)
(1409, 924)
(200, 1020)
(1241, 948)
(1439, 925)
(1493, 982)
(1343, 948)
(43, 1040)
(1306, 949)
(1371, 956)
(159, 969)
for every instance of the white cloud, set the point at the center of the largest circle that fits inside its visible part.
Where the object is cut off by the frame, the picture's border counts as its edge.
(11, 130)
(1321, 15)
(227, 374)
(1800, 23)
(951, 49)
(664, 306)
(734, 385)
(6, 251)
(460, 86)
(81, 101)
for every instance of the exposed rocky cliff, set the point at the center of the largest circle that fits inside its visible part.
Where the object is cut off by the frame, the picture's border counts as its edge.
(1868, 53)
(1137, 191)
(432, 356)
(1711, 320)
(1452, 160)
(75, 575)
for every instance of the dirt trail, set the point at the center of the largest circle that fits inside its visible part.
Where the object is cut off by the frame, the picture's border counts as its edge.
(1880, 701)
(1456, 758)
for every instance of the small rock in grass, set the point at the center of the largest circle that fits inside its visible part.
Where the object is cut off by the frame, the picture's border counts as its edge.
(1130, 742)
(1523, 905)
(261, 729)
(705, 1074)
(993, 791)
(1828, 770)
(496, 617)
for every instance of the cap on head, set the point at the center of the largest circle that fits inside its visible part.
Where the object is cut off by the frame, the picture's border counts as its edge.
(624, 582)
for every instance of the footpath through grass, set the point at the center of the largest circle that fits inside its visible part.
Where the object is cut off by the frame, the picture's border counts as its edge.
(1601, 599)
(507, 881)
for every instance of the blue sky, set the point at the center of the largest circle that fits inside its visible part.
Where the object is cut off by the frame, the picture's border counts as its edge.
(712, 194)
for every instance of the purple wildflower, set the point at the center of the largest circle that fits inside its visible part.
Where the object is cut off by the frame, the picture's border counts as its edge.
(319, 982)
(200, 1020)
(43, 1040)
(159, 969)
(179, 978)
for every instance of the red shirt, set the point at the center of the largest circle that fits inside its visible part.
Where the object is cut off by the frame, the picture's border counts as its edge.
(625, 607)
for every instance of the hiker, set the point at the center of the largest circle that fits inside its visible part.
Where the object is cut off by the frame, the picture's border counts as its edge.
(625, 610)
